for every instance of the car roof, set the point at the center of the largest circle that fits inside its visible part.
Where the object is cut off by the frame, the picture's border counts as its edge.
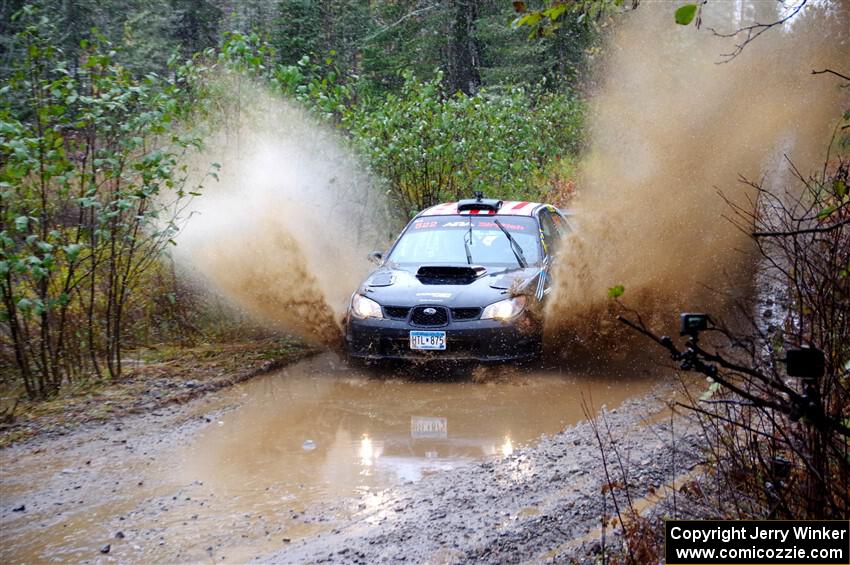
(508, 208)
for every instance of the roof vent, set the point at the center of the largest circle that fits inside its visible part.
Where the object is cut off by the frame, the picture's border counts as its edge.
(479, 203)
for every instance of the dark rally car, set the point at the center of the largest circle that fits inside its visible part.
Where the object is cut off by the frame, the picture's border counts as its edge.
(463, 281)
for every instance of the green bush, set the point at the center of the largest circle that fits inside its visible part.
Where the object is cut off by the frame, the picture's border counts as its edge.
(427, 147)
(430, 148)
(91, 193)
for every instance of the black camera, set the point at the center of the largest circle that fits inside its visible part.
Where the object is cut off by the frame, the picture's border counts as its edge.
(691, 323)
(805, 362)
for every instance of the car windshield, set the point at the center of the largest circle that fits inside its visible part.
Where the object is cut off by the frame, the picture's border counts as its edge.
(440, 239)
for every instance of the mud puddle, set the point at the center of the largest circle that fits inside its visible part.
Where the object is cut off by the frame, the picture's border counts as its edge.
(311, 434)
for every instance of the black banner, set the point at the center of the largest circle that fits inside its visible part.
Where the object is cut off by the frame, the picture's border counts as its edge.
(762, 542)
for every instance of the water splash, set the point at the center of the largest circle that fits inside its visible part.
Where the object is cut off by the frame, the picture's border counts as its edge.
(284, 232)
(669, 127)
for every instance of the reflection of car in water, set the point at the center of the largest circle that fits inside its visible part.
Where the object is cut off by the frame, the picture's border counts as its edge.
(464, 281)
(428, 449)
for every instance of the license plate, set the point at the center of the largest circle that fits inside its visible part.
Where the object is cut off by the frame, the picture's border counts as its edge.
(428, 340)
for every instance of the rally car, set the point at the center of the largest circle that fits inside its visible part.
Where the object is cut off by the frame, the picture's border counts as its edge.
(463, 281)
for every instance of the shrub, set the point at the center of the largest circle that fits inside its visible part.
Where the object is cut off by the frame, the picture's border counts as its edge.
(430, 148)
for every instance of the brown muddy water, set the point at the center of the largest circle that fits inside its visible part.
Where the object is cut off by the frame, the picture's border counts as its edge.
(240, 477)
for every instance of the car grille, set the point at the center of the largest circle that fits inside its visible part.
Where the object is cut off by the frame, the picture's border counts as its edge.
(465, 313)
(396, 312)
(439, 317)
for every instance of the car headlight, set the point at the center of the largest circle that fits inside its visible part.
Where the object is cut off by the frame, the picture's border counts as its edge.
(504, 309)
(363, 307)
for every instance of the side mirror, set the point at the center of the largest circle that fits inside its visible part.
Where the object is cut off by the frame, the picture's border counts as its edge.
(376, 257)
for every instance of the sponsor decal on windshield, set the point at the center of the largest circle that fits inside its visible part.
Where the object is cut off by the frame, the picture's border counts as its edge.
(424, 224)
(506, 225)
(464, 224)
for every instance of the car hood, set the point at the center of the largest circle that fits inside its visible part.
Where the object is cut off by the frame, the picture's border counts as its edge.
(448, 284)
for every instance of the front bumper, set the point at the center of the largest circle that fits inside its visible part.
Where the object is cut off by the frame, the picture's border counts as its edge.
(472, 340)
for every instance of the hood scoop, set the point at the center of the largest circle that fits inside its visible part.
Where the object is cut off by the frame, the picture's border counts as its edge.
(449, 274)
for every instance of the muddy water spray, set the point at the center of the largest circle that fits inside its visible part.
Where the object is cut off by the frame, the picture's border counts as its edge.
(285, 231)
(669, 128)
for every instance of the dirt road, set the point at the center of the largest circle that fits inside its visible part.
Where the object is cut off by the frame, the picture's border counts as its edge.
(317, 461)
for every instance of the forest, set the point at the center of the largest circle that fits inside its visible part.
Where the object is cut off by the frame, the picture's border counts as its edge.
(99, 106)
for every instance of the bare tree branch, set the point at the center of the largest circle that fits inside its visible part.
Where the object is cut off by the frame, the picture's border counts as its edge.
(752, 32)
(399, 21)
(791, 233)
(830, 71)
